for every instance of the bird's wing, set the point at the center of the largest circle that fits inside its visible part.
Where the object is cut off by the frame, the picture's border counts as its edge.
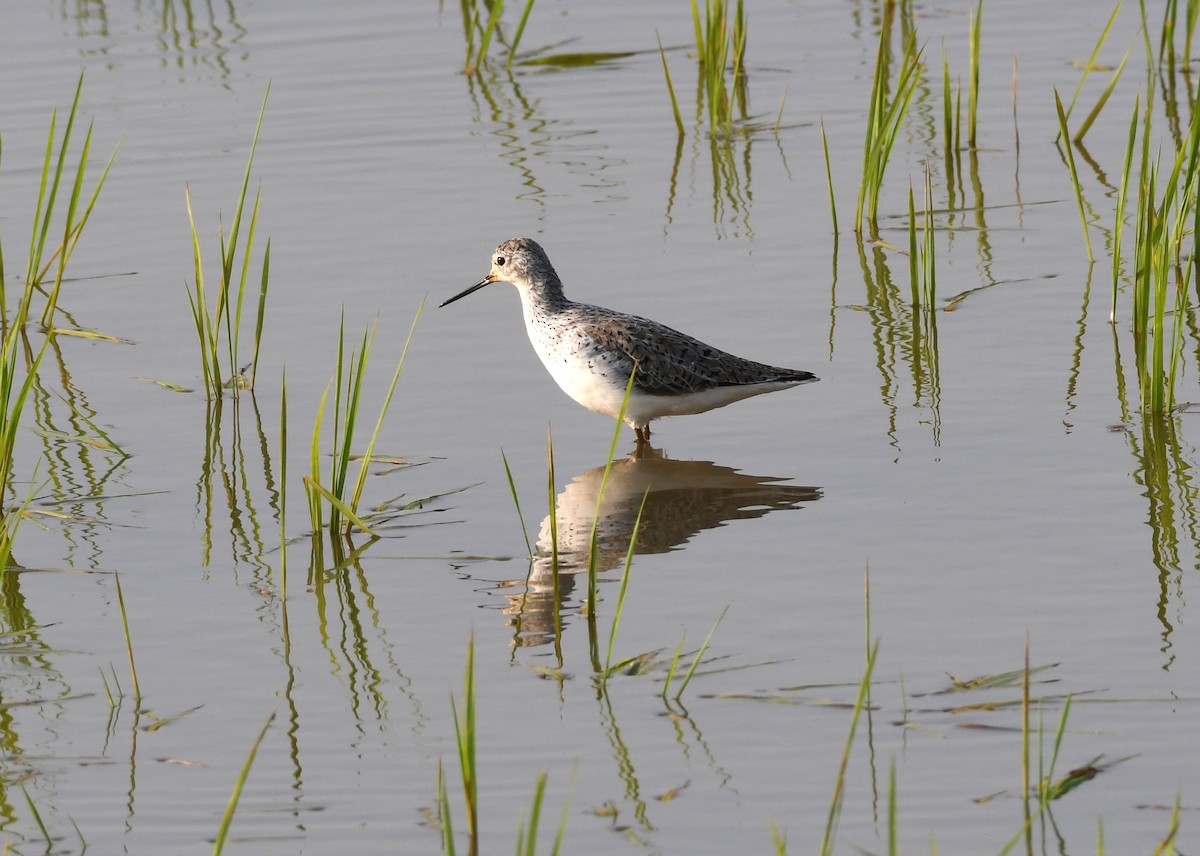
(667, 361)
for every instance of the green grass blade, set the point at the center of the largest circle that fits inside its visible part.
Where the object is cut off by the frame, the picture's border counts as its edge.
(612, 451)
(670, 87)
(1087, 69)
(829, 179)
(485, 42)
(974, 28)
(443, 802)
(512, 487)
(283, 481)
(342, 508)
(37, 817)
(700, 654)
(239, 785)
(387, 401)
(464, 731)
(620, 607)
(1103, 99)
(315, 509)
(262, 309)
(1070, 154)
(228, 257)
(137, 692)
(520, 32)
(1122, 194)
(835, 807)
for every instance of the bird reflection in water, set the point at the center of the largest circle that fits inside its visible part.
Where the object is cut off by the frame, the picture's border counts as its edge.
(684, 498)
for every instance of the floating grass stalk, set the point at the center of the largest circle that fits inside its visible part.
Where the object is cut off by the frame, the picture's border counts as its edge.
(218, 328)
(884, 117)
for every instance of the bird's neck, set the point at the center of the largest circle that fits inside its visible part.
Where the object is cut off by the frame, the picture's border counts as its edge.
(544, 297)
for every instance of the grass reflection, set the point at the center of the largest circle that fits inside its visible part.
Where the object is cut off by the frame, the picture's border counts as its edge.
(233, 475)
(1165, 471)
(902, 334)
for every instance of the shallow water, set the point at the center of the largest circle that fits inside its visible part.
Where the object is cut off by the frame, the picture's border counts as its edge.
(1000, 487)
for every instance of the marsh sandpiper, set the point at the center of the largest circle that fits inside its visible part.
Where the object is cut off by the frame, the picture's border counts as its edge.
(591, 351)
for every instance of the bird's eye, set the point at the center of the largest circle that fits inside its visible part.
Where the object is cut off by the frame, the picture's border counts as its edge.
(500, 261)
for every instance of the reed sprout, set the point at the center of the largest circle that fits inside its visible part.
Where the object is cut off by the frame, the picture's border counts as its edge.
(465, 742)
(721, 48)
(884, 118)
(1167, 31)
(218, 327)
(17, 376)
(670, 87)
(951, 118)
(671, 669)
(137, 691)
(592, 539)
(481, 24)
(1164, 261)
(1122, 196)
(839, 790)
(1070, 158)
(974, 29)
(829, 179)
(922, 266)
(464, 731)
(609, 668)
(53, 167)
(348, 384)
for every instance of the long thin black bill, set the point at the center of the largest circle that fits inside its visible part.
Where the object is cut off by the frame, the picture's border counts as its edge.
(485, 281)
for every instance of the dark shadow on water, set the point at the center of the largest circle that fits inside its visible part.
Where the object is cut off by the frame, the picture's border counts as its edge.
(683, 498)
